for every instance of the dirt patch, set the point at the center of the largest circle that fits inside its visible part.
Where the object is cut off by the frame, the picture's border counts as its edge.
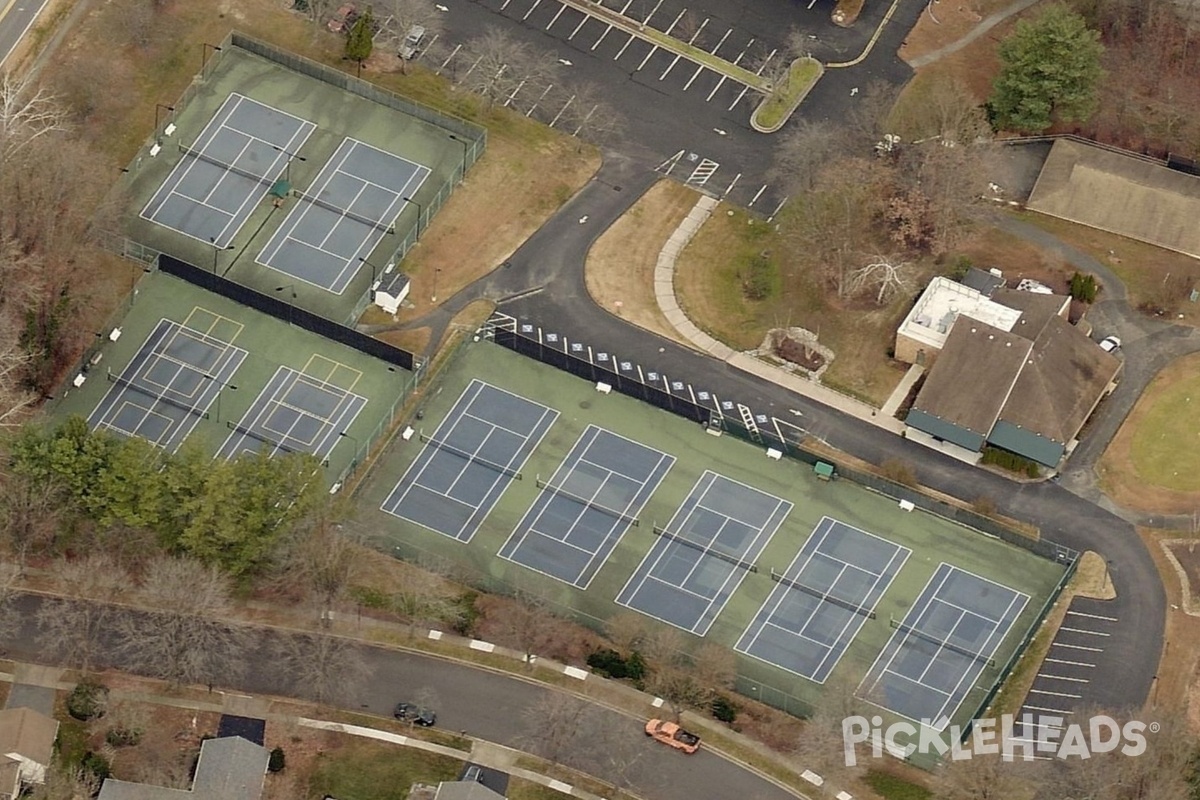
(414, 341)
(1175, 685)
(1188, 559)
(796, 353)
(620, 265)
(301, 749)
(943, 24)
(1138, 439)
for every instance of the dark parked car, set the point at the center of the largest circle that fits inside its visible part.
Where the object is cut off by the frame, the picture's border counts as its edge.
(411, 712)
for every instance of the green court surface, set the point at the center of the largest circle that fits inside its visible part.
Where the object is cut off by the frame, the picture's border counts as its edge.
(337, 114)
(269, 344)
(931, 538)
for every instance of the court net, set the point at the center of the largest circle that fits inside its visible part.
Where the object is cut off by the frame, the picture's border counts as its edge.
(822, 596)
(260, 437)
(471, 457)
(628, 519)
(953, 648)
(378, 225)
(706, 549)
(245, 173)
(159, 398)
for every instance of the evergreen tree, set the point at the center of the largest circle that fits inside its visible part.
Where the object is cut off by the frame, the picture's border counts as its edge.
(360, 42)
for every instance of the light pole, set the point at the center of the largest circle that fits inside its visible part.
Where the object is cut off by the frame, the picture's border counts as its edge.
(418, 205)
(217, 251)
(287, 172)
(462, 142)
(374, 274)
(223, 386)
(292, 287)
(436, 272)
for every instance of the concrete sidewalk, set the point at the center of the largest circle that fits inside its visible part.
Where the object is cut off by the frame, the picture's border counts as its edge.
(664, 293)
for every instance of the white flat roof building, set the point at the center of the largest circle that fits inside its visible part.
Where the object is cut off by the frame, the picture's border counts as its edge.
(941, 303)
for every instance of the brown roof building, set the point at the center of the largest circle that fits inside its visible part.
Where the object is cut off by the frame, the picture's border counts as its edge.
(26, 747)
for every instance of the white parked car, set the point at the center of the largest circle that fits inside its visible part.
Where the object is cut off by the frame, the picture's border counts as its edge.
(1111, 344)
(412, 41)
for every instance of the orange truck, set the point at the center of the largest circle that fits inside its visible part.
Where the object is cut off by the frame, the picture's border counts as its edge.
(671, 734)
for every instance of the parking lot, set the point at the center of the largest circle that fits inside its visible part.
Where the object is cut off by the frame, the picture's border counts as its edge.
(685, 116)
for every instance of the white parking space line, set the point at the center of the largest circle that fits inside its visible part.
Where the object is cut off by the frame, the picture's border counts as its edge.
(1091, 616)
(1056, 694)
(628, 3)
(1064, 661)
(1077, 647)
(670, 67)
(539, 100)
(566, 105)
(1062, 678)
(745, 50)
(536, 3)
(653, 11)
(622, 50)
(653, 50)
(601, 39)
(699, 31)
(1049, 710)
(505, 4)
(513, 96)
(720, 83)
(723, 38)
(695, 75)
(739, 97)
(577, 27)
(766, 61)
(561, 9)
(453, 53)
(757, 194)
(1081, 630)
(676, 22)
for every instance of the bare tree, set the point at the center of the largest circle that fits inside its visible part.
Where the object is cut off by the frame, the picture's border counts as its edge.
(981, 777)
(73, 628)
(627, 630)
(31, 510)
(804, 152)
(552, 724)
(322, 559)
(821, 746)
(503, 69)
(26, 114)
(422, 599)
(528, 625)
(715, 666)
(590, 118)
(867, 121)
(397, 17)
(65, 783)
(10, 618)
(186, 638)
(324, 669)
(886, 276)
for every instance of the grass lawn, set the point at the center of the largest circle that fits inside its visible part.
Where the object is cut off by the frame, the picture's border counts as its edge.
(1149, 464)
(521, 789)
(368, 770)
(779, 105)
(620, 265)
(893, 787)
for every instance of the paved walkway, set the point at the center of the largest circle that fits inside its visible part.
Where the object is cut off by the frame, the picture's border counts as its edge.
(991, 21)
(664, 293)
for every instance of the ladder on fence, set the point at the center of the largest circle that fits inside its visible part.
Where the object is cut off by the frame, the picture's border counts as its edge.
(749, 423)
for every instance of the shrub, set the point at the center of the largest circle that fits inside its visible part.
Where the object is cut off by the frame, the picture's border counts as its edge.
(123, 736)
(97, 765)
(723, 709)
(900, 471)
(88, 700)
(1084, 287)
(961, 266)
(371, 598)
(635, 667)
(277, 760)
(607, 662)
(758, 277)
(984, 505)
(1010, 461)
(467, 618)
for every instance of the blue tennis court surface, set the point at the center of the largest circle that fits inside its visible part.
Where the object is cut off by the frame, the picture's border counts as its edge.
(464, 468)
(944, 642)
(585, 508)
(704, 553)
(822, 600)
(229, 169)
(168, 386)
(352, 204)
(298, 412)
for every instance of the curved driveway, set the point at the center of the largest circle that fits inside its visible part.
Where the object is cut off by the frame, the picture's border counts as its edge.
(552, 260)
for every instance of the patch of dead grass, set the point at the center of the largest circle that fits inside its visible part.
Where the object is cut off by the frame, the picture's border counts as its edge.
(948, 23)
(620, 265)
(414, 341)
(1175, 685)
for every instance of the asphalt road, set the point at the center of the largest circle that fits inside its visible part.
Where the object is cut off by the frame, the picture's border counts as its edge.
(552, 262)
(16, 18)
(488, 705)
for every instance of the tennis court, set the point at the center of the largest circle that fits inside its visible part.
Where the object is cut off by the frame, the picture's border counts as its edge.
(704, 553)
(298, 411)
(464, 468)
(228, 170)
(822, 599)
(590, 502)
(169, 384)
(353, 203)
(945, 641)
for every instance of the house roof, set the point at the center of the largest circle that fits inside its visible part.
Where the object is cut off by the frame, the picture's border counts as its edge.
(229, 769)
(973, 376)
(1121, 193)
(1060, 382)
(28, 733)
(465, 790)
(1036, 309)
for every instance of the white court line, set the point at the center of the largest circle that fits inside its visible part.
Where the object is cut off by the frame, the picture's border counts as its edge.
(1056, 694)
(1062, 678)
(1081, 630)
(1064, 661)
(1077, 647)
(1091, 616)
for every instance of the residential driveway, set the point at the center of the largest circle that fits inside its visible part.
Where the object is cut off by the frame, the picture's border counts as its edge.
(32, 688)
